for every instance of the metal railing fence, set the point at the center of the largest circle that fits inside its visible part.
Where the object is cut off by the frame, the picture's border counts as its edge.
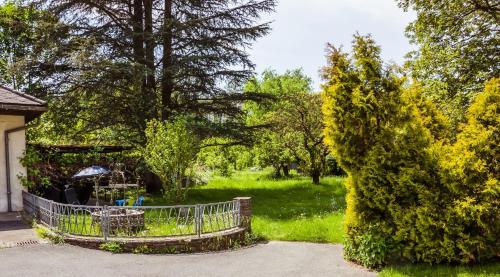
(133, 222)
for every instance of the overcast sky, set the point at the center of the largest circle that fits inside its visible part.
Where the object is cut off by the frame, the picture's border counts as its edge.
(301, 29)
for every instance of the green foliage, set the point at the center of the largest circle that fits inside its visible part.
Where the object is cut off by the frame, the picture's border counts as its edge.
(270, 146)
(270, 151)
(220, 155)
(393, 144)
(294, 120)
(21, 27)
(458, 50)
(170, 152)
(112, 246)
(486, 270)
(30, 159)
(470, 170)
(45, 233)
(371, 249)
(48, 167)
(332, 167)
(110, 80)
(298, 123)
(143, 249)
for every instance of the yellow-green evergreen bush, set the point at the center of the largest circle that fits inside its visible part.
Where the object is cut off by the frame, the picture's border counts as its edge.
(393, 144)
(470, 168)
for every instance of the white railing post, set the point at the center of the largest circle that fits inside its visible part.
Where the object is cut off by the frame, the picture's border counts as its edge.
(197, 220)
(33, 211)
(51, 214)
(200, 215)
(105, 223)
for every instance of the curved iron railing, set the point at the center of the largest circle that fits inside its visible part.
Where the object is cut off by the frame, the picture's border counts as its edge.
(133, 222)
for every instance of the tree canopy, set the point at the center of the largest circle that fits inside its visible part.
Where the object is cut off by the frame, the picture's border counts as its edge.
(293, 118)
(23, 31)
(121, 63)
(458, 49)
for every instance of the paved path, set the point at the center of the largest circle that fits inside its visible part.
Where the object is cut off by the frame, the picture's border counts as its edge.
(13, 232)
(271, 259)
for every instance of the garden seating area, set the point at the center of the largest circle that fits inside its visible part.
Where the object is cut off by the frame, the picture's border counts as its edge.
(133, 221)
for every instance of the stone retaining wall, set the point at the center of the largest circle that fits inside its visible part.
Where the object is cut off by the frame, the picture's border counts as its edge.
(189, 244)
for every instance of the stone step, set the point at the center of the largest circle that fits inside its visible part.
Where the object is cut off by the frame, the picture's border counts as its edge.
(12, 216)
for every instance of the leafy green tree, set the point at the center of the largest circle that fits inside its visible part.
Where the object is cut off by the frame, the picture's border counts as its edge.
(170, 153)
(298, 122)
(15, 41)
(458, 49)
(221, 156)
(270, 148)
(294, 120)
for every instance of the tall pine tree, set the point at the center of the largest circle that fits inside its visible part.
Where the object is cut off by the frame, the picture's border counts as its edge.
(134, 60)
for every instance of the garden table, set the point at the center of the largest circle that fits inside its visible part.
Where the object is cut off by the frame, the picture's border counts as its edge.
(112, 187)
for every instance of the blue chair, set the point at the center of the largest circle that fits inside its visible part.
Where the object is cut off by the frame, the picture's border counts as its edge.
(120, 202)
(138, 202)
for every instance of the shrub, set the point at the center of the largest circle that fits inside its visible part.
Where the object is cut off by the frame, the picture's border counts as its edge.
(112, 246)
(143, 249)
(471, 172)
(170, 153)
(428, 201)
(332, 167)
(371, 248)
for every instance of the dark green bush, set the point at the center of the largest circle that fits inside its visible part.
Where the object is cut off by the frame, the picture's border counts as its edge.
(332, 167)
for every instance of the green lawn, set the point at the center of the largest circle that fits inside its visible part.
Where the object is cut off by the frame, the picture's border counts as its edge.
(287, 209)
(442, 271)
(296, 210)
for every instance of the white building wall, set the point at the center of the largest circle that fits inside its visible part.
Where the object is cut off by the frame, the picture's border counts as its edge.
(17, 144)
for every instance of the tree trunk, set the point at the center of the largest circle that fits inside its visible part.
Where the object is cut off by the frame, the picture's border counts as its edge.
(286, 170)
(277, 171)
(137, 35)
(315, 174)
(149, 58)
(167, 74)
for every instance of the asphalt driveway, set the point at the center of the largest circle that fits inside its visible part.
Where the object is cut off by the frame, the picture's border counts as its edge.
(271, 259)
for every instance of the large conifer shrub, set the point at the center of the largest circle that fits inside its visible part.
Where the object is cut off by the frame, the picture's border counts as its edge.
(393, 144)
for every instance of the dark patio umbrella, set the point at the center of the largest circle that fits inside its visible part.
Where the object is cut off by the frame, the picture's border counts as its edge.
(95, 172)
